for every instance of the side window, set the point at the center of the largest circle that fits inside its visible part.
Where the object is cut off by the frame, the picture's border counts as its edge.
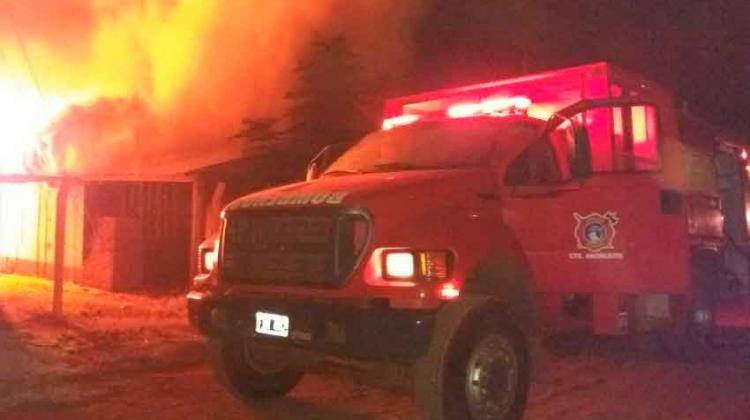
(564, 145)
(636, 138)
(535, 166)
(623, 138)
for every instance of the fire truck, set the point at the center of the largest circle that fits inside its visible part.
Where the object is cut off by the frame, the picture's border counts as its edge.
(476, 221)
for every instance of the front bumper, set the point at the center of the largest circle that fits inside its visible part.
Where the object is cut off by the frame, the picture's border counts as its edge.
(332, 327)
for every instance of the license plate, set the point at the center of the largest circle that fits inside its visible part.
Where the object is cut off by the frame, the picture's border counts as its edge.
(272, 324)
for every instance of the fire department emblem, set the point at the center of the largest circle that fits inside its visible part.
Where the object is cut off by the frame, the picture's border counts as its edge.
(595, 232)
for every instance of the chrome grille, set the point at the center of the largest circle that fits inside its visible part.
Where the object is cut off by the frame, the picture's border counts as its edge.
(289, 248)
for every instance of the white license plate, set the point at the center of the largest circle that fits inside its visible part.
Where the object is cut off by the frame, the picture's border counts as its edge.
(272, 324)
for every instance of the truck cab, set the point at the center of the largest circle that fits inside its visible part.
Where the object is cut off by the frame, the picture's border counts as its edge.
(475, 219)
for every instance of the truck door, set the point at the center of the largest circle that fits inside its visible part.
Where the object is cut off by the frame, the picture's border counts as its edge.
(586, 205)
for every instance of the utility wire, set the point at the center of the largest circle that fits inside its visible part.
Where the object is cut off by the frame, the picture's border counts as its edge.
(24, 50)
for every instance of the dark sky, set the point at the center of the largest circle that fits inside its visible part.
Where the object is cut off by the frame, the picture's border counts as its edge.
(701, 49)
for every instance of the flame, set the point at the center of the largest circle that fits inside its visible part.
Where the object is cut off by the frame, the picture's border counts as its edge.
(24, 118)
(101, 87)
(117, 82)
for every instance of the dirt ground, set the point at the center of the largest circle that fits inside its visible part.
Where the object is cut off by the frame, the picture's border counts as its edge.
(116, 356)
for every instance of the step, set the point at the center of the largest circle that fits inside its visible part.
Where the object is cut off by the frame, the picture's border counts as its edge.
(733, 314)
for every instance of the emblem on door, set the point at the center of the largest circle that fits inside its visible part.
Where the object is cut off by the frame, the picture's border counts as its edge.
(595, 232)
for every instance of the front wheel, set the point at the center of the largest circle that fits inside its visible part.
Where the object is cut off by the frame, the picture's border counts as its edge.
(493, 378)
(478, 369)
(251, 370)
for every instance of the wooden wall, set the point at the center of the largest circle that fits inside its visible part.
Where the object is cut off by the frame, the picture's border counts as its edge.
(161, 211)
(27, 229)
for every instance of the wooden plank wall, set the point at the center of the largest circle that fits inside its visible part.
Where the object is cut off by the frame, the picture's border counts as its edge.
(27, 229)
(163, 212)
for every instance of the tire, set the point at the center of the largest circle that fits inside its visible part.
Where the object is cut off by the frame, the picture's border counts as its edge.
(691, 340)
(253, 371)
(477, 368)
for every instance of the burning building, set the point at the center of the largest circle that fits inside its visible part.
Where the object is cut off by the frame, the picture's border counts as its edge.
(107, 109)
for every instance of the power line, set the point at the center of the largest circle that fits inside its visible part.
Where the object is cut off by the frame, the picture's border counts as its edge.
(24, 50)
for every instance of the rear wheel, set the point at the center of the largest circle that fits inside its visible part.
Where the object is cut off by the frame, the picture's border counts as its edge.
(252, 370)
(691, 341)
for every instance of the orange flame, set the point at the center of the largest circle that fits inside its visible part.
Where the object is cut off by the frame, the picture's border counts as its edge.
(137, 78)
(24, 117)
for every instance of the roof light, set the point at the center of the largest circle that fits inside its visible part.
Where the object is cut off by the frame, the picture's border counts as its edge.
(464, 110)
(406, 119)
(518, 103)
(492, 106)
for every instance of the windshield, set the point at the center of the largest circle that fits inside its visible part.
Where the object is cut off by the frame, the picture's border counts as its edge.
(451, 144)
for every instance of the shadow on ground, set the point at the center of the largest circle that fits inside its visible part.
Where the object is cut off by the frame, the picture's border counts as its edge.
(659, 348)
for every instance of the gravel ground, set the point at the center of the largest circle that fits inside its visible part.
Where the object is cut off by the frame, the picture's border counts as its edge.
(128, 357)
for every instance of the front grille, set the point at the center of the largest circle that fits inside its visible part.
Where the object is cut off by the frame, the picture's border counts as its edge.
(288, 248)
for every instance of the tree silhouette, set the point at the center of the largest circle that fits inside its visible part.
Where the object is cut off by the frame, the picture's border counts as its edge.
(325, 106)
(260, 130)
(325, 102)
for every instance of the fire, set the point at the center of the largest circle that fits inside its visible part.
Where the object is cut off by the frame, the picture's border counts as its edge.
(24, 117)
(187, 72)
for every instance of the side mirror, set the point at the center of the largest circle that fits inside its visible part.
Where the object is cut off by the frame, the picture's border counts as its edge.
(324, 159)
(581, 164)
(312, 171)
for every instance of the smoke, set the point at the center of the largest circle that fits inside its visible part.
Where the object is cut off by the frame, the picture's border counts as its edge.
(146, 80)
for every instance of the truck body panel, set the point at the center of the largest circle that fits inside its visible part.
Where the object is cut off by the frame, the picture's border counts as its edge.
(612, 250)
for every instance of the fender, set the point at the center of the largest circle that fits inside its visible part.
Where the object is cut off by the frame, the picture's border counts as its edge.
(508, 283)
(505, 275)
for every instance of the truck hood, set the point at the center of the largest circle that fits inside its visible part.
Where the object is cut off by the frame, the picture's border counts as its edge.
(419, 187)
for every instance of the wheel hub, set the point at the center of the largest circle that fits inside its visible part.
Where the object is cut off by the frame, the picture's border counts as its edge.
(492, 378)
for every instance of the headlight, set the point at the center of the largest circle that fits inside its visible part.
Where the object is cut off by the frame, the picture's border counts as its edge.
(427, 265)
(399, 265)
(207, 260)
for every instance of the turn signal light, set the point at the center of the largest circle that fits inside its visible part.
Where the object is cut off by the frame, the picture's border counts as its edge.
(434, 264)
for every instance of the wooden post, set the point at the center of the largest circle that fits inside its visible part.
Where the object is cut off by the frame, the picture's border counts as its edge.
(197, 222)
(60, 225)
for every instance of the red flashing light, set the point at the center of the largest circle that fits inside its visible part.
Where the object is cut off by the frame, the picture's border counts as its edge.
(498, 106)
(492, 106)
(392, 122)
(743, 155)
(464, 110)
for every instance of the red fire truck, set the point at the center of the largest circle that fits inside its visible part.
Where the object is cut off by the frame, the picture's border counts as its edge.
(476, 220)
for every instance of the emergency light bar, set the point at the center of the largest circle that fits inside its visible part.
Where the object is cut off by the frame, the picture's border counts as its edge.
(490, 107)
(493, 106)
(389, 123)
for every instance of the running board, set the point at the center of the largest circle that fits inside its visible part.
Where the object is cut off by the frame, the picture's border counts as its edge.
(733, 314)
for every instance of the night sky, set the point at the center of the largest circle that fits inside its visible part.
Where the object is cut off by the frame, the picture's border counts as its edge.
(701, 49)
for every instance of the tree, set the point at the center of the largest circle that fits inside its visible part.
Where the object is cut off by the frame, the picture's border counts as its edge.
(325, 102)
(325, 106)
(260, 130)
